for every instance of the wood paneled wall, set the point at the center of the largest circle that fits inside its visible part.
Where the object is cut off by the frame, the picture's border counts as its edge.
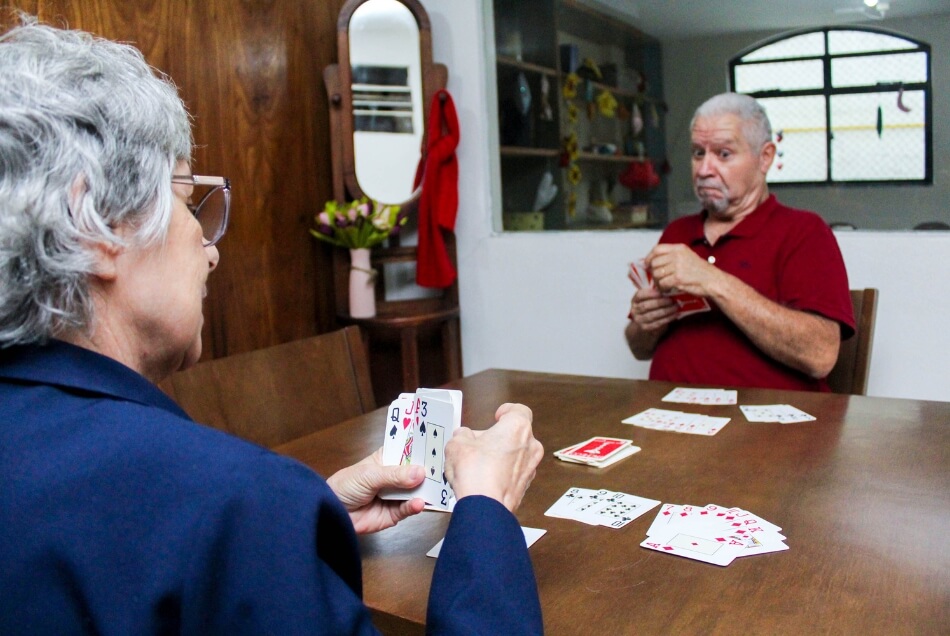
(250, 72)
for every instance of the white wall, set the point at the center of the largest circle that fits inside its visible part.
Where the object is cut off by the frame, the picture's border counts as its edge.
(557, 301)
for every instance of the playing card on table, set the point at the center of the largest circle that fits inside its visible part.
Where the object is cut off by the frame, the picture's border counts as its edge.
(711, 515)
(701, 396)
(719, 550)
(623, 453)
(712, 533)
(575, 501)
(660, 419)
(435, 414)
(706, 425)
(600, 507)
(677, 421)
(531, 535)
(783, 413)
(616, 510)
(594, 450)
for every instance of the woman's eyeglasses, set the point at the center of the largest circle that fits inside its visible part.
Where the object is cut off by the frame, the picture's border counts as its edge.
(213, 208)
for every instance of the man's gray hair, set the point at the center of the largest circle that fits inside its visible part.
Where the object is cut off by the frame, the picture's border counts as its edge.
(755, 121)
(89, 137)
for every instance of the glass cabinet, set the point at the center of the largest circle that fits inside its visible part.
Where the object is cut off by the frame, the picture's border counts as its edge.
(580, 119)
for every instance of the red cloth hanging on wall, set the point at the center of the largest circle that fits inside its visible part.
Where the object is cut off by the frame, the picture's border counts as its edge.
(438, 203)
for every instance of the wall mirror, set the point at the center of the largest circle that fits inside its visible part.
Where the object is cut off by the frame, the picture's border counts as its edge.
(379, 95)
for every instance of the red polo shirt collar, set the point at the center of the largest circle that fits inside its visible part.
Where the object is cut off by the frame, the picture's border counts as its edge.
(749, 226)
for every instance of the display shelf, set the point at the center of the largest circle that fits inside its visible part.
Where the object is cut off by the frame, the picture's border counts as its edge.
(526, 66)
(536, 41)
(593, 156)
(519, 151)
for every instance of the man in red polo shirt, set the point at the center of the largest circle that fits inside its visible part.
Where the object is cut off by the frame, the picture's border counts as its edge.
(773, 275)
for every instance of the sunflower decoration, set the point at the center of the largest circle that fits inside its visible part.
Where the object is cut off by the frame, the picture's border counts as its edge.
(569, 89)
(574, 174)
(569, 161)
(571, 148)
(572, 113)
(607, 104)
(572, 203)
(589, 70)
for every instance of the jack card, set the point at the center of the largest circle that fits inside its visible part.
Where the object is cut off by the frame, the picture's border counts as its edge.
(433, 416)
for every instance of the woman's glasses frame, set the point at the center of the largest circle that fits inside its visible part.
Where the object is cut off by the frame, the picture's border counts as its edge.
(213, 234)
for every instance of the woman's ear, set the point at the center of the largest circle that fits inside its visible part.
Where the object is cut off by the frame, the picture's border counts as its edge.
(105, 255)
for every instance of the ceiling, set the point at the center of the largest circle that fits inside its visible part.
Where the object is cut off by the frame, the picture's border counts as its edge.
(679, 19)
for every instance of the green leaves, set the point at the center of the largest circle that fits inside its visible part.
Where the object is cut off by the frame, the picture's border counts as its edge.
(356, 224)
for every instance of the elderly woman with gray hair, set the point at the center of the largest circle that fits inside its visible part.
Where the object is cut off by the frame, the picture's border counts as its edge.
(117, 513)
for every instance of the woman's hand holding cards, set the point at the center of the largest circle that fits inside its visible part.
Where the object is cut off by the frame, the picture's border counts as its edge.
(499, 462)
(357, 487)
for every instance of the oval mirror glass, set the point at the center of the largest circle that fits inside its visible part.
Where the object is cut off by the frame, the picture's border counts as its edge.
(387, 99)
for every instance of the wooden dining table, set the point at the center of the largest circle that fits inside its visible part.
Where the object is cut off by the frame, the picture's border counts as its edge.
(862, 494)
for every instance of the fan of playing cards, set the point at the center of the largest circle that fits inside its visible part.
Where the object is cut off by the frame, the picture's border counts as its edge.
(677, 421)
(418, 426)
(713, 534)
(686, 304)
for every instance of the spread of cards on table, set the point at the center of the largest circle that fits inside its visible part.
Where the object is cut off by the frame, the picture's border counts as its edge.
(598, 451)
(783, 413)
(713, 534)
(600, 507)
(699, 424)
(418, 426)
(683, 395)
(677, 421)
(686, 304)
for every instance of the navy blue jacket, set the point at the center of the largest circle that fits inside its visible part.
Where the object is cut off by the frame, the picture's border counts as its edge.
(120, 515)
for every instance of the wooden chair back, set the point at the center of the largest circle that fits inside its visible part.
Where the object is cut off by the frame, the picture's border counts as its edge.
(850, 373)
(275, 395)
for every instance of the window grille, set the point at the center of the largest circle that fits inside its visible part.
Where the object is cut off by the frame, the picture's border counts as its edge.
(847, 105)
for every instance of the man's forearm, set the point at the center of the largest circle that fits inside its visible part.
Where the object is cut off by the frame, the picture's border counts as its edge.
(642, 342)
(798, 339)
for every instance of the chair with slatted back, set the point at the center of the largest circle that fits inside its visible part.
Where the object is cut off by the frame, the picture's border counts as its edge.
(850, 373)
(277, 394)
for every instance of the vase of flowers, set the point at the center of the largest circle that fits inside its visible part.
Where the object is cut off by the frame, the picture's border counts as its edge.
(359, 226)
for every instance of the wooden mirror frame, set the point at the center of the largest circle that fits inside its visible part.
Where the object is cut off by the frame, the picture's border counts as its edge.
(338, 79)
(406, 320)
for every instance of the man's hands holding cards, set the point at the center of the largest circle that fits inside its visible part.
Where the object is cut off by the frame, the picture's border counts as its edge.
(669, 286)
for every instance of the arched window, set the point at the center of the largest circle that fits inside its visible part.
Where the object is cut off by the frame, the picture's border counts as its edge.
(846, 104)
